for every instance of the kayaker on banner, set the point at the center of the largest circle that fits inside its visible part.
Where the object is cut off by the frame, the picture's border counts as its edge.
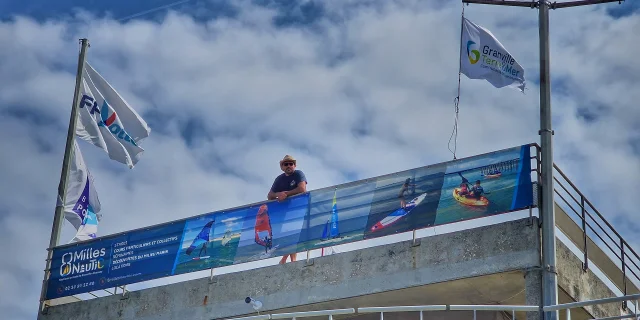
(477, 190)
(464, 186)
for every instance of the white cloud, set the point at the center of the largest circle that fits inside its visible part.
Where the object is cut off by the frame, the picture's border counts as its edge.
(369, 95)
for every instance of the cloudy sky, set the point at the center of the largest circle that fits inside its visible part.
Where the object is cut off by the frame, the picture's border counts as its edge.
(353, 89)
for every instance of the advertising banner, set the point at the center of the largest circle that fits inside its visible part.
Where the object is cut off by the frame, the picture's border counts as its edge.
(449, 192)
(113, 261)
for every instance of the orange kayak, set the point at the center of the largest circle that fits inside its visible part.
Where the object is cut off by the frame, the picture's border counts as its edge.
(469, 201)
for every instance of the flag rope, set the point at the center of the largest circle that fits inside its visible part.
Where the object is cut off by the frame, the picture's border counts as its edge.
(456, 101)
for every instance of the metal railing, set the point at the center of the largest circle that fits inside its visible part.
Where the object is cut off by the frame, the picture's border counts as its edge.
(595, 227)
(568, 306)
(453, 307)
(592, 223)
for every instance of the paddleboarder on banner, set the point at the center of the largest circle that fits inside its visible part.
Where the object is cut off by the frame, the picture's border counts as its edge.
(405, 190)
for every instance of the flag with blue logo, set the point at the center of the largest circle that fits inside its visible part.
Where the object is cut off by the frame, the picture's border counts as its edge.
(107, 121)
(82, 206)
(482, 56)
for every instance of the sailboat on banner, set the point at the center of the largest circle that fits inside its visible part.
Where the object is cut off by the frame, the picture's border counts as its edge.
(226, 238)
(263, 232)
(201, 239)
(331, 232)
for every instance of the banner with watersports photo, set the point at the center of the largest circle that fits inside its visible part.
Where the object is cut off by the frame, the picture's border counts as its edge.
(449, 192)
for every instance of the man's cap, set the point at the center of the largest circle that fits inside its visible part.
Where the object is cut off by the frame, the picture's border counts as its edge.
(288, 158)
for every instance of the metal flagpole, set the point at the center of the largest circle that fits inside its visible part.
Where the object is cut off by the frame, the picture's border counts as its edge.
(547, 214)
(62, 186)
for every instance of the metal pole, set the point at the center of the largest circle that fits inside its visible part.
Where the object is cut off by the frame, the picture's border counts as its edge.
(549, 279)
(62, 186)
(624, 273)
(546, 210)
(585, 264)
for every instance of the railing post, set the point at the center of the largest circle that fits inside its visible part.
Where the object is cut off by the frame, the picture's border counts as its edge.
(212, 278)
(624, 273)
(585, 264)
(538, 179)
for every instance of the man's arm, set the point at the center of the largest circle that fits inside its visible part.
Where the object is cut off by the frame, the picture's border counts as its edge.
(301, 188)
(272, 195)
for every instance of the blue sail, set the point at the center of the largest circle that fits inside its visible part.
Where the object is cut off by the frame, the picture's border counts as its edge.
(325, 232)
(201, 238)
(334, 230)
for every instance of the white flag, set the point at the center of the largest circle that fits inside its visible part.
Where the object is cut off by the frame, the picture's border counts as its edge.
(484, 57)
(81, 205)
(107, 120)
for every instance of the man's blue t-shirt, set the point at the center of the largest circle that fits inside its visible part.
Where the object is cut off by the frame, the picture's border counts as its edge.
(288, 183)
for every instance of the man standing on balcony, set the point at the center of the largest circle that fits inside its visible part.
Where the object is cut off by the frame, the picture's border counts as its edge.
(288, 184)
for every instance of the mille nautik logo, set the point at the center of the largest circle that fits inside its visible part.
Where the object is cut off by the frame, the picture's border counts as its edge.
(82, 261)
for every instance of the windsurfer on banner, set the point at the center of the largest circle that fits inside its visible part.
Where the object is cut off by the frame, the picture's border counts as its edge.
(290, 183)
(263, 225)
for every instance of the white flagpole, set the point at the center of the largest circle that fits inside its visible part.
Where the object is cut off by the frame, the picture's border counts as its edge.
(62, 187)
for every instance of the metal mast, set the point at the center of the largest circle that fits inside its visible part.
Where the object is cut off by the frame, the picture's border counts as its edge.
(547, 214)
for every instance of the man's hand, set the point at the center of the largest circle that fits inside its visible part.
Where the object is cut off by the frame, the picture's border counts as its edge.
(281, 196)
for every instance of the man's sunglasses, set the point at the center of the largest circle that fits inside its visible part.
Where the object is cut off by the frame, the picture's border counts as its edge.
(288, 164)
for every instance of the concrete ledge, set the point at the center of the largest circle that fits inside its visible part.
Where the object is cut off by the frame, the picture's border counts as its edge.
(486, 250)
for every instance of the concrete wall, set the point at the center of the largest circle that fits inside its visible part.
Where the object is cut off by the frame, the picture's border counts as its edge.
(583, 285)
(481, 251)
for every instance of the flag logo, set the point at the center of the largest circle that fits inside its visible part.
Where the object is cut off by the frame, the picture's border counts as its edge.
(487, 58)
(104, 114)
(476, 53)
